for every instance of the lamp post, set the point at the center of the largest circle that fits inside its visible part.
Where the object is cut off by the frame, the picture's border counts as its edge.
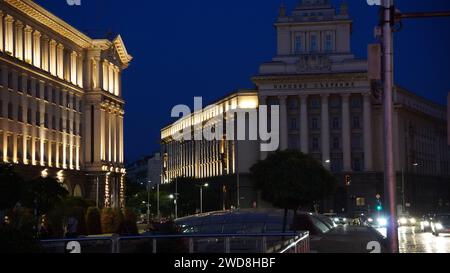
(201, 195)
(148, 201)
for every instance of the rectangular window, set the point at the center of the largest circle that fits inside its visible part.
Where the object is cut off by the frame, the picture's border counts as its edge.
(328, 42)
(360, 202)
(298, 44)
(10, 111)
(293, 124)
(38, 118)
(313, 44)
(336, 143)
(20, 114)
(336, 123)
(315, 144)
(29, 116)
(20, 84)
(356, 122)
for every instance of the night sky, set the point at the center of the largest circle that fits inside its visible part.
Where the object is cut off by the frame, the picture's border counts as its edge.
(209, 48)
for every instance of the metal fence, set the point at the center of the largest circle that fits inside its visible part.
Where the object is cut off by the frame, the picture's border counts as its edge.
(196, 243)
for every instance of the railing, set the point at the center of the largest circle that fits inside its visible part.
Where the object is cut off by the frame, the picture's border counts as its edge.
(195, 243)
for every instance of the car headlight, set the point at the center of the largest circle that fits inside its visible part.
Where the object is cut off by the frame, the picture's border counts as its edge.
(382, 221)
(336, 219)
(344, 219)
(370, 220)
(439, 226)
(413, 221)
(403, 221)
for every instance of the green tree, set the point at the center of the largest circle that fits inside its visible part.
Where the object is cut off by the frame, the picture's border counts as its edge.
(43, 194)
(291, 180)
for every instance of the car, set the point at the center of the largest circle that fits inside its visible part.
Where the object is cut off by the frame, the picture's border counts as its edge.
(440, 224)
(407, 221)
(425, 223)
(337, 219)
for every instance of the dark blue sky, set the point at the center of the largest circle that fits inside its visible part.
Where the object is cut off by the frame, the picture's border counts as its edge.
(207, 48)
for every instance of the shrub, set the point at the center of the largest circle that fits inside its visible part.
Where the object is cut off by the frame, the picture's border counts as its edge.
(129, 226)
(111, 220)
(93, 224)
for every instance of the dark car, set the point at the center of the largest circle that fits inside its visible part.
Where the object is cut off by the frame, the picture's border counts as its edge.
(440, 224)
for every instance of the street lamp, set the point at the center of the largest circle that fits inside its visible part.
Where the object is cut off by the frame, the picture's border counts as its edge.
(201, 195)
(174, 197)
(148, 201)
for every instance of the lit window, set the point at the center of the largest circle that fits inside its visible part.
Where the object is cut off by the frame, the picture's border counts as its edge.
(360, 202)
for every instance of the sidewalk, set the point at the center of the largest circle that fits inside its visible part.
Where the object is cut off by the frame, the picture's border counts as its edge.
(348, 239)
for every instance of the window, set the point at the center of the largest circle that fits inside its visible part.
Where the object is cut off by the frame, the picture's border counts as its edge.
(67, 125)
(314, 123)
(315, 144)
(10, 80)
(61, 124)
(328, 42)
(293, 104)
(336, 123)
(315, 103)
(29, 116)
(10, 111)
(46, 93)
(298, 44)
(356, 142)
(335, 103)
(356, 102)
(20, 84)
(53, 95)
(360, 202)
(38, 90)
(293, 124)
(356, 122)
(20, 114)
(313, 46)
(61, 98)
(46, 120)
(29, 87)
(38, 118)
(357, 164)
(336, 143)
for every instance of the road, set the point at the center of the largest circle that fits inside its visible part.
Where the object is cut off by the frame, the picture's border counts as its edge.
(414, 241)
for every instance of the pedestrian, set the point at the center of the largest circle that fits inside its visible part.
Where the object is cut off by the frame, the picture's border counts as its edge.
(72, 228)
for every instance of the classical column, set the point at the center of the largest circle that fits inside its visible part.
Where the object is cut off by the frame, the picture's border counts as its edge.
(105, 75)
(60, 61)
(368, 154)
(73, 67)
(52, 46)
(80, 69)
(325, 131)
(19, 40)
(304, 124)
(263, 102)
(9, 40)
(37, 49)
(346, 141)
(45, 49)
(283, 123)
(2, 14)
(28, 54)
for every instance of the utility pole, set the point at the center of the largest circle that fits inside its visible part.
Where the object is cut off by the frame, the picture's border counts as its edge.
(389, 172)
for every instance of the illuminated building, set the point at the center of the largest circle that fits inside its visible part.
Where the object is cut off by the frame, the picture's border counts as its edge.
(61, 105)
(329, 109)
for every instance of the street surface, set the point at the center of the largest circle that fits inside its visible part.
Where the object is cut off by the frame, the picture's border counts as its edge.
(412, 240)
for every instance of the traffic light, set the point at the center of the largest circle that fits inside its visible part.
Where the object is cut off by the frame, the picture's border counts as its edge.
(379, 206)
(348, 180)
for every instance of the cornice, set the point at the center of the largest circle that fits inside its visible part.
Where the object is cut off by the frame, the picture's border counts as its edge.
(62, 28)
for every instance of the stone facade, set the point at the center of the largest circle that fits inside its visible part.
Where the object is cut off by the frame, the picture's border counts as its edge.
(61, 102)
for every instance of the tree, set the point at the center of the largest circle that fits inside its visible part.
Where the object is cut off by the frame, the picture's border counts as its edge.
(43, 194)
(10, 187)
(292, 180)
